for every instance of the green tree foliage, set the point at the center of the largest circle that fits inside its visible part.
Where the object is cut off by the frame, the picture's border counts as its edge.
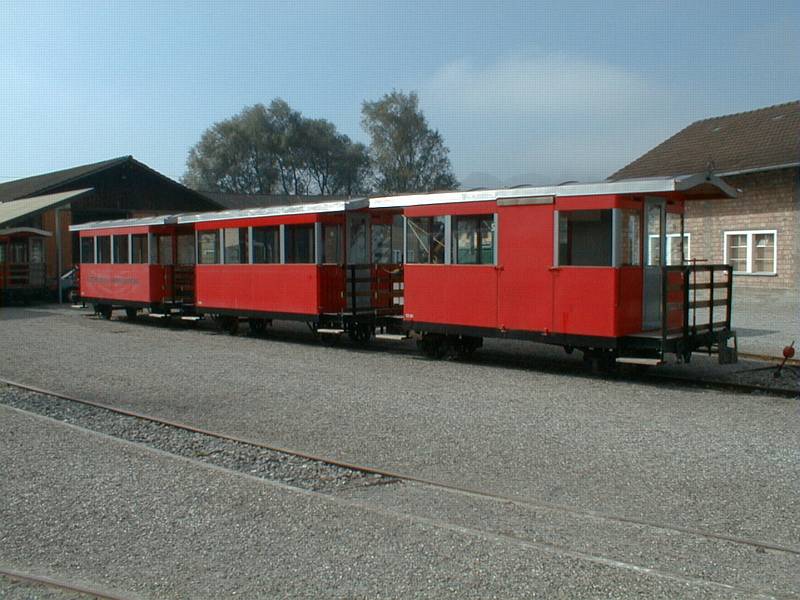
(275, 149)
(407, 155)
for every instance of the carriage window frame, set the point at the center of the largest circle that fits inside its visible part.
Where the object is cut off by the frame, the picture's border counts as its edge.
(563, 237)
(750, 235)
(208, 247)
(87, 241)
(331, 244)
(478, 230)
(422, 241)
(291, 244)
(139, 249)
(120, 249)
(103, 250)
(235, 251)
(263, 251)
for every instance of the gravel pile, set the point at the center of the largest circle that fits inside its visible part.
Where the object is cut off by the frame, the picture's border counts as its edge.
(260, 462)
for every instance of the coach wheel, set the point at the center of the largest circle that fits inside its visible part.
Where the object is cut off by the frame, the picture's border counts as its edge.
(433, 345)
(131, 313)
(329, 339)
(257, 326)
(104, 310)
(230, 325)
(360, 333)
(465, 346)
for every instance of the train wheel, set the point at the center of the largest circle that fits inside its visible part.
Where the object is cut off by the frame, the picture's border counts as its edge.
(257, 326)
(230, 325)
(360, 333)
(465, 346)
(433, 346)
(104, 310)
(131, 313)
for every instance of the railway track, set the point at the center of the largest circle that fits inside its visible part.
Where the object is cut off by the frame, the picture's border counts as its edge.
(60, 585)
(759, 545)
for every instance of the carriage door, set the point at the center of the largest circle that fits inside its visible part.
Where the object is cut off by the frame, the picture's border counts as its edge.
(654, 244)
(359, 270)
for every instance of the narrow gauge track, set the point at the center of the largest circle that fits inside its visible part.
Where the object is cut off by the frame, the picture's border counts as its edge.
(759, 545)
(60, 585)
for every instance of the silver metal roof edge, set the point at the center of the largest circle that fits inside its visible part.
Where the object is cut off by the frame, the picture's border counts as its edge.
(138, 222)
(276, 211)
(34, 230)
(624, 186)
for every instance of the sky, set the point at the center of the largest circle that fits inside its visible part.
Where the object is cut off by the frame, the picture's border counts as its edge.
(522, 91)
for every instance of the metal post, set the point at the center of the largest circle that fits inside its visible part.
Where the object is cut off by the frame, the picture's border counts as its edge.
(616, 237)
(59, 257)
(448, 240)
(282, 243)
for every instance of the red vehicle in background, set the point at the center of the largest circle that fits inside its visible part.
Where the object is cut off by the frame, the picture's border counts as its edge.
(23, 271)
(136, 264)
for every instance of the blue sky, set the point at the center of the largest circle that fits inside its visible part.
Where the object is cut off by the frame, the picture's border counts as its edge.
(542, 90)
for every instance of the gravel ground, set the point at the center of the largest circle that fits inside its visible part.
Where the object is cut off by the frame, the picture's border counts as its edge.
(138, 520)
(11, 589)
(519, 422)
(259, 462)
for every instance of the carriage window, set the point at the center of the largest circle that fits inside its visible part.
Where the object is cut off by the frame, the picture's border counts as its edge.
(266, 245)
(186, 249)
(631, 237)
(18, 253)
(425, 240)
(584, 238)
(382, 243)
(104, 249)
(235, 239)
(473, 240)
(2, 253)
(120, 248)
(37, 251)
(164, 249)
(331, 243)
(208, 247)
(299, 243)
(139, 248)
(87, 250)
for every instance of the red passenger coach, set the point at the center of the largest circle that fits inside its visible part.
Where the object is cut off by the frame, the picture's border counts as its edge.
(599, 267)
(306, 262)
(137, 263)
(22, 264)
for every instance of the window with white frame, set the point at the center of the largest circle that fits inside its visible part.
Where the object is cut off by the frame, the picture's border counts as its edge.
(673, 248)
(751, 252)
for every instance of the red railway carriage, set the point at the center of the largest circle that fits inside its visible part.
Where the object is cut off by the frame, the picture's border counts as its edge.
(137, 263)
(601, 267)
(308, 262)
(22, 264)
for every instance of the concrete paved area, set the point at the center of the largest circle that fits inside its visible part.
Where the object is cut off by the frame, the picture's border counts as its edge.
(89, 509)
(766, 320)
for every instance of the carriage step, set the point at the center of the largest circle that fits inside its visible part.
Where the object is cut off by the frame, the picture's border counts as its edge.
(157, 315)
(190, 318)
(77, 306)
(330, 331)
(392, 337)
(636, 360)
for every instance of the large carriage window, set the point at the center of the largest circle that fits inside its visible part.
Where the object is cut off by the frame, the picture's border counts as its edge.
(104, 249)
(18, 252)
(425, 240)
(235, 239)
(208, 247)
(139, 248)
(120, 248)
(185, 244)
(266, 245)
(584, 238)
(164, 249)
(87, 250)
(331, 243)
(299, 243)
(473, 240)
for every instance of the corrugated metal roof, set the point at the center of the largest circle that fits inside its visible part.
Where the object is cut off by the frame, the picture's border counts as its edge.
(702, 184)
(37, 184)
(11, 211)
(33, 230)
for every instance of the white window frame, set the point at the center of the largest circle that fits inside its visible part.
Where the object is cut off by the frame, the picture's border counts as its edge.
(687, 248)
(751, 233)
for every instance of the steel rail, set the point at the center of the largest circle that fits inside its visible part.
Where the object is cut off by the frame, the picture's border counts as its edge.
(61, 585)
(443, 485)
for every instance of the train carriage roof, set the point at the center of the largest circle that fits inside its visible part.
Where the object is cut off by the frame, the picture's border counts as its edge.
(276, 211)
(136, 222)
(700, 186)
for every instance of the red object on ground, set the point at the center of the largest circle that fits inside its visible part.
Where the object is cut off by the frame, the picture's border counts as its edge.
(788, 351)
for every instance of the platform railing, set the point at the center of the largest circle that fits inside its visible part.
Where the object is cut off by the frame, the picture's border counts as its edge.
(690, 295)
(377, 289)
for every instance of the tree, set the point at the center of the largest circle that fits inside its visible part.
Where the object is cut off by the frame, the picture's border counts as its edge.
(267, 149)
(407, 155)
(235, 155)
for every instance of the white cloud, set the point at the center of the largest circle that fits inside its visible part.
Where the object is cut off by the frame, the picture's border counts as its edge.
(557, 115)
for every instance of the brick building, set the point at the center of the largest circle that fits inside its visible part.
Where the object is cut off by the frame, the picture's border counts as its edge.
(114, 189)
(757, 152)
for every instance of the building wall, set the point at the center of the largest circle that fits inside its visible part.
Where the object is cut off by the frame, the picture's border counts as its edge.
(51, 256)
(768, 200)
